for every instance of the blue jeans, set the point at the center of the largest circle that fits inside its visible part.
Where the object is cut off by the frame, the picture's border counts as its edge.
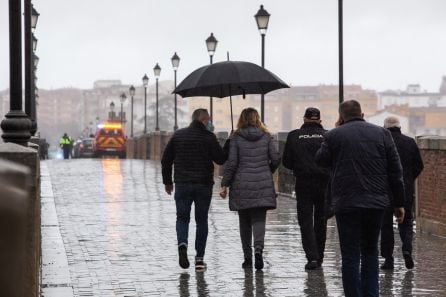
(358, 236)
(200, 195)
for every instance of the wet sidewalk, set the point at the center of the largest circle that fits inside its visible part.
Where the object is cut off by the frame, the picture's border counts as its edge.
(118, 232)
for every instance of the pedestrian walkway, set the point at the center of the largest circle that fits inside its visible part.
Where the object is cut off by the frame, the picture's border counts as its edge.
(118, 230)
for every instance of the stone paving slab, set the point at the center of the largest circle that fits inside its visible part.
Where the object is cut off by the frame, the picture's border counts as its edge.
(56, 279)
(118, 231)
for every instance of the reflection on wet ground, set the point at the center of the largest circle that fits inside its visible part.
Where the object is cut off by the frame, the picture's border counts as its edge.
(118, 229)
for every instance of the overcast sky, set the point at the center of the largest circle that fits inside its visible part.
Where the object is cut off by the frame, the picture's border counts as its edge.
(388, 43)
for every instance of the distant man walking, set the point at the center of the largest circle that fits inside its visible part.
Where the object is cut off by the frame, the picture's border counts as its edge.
(412, 166)
(365, 169)
(311, 182)
(191, 151)
(66, 145)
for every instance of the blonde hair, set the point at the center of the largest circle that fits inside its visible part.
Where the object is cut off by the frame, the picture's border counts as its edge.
(250, 118)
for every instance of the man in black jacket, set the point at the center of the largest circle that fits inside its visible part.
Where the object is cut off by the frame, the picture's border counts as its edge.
(412, 167)
(192, 151)
(365, 169)
(311, 182)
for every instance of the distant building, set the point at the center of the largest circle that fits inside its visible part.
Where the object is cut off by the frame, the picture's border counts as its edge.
(379, 117)
(284, 108)
(106, 83)
(414, 96)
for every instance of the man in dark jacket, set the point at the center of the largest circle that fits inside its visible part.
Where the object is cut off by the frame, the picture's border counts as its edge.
(311, 182)
(192, 151)
(412, 167)
(365, 169)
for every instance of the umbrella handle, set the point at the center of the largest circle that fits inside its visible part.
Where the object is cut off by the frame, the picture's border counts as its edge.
(232, 118)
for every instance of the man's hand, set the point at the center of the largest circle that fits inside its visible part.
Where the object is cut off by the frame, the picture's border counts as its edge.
(168, 189)
(399, 214)
(223, 192)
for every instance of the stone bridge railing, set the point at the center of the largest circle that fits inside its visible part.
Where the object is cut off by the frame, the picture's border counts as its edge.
(431, 186)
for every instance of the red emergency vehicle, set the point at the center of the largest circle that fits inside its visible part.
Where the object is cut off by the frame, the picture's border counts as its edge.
(110, 140)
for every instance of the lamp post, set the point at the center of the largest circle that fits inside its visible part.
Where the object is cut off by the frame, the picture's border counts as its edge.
(16, 125)
(112, 112)
(132, 94)
(175, 63)
(341, 52)
(145, 82)
(157, 72)
(211, 44)
(262, 19)
(122, 98)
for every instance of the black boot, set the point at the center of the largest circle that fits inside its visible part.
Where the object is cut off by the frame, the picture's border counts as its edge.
(247, 264)
(388, 264)
(182, 253)
(258, 259)
(408, 260)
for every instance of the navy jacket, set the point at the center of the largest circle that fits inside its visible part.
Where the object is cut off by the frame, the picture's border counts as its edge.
(300, 150)
(365, 167)
(192, 151)
(410, 160)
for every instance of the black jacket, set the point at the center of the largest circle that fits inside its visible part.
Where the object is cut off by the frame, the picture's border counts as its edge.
(365, 166)
(192, 151)
(300, 150)
(410, 160)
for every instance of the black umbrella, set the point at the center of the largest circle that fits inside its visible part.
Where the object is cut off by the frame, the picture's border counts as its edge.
(227, 79)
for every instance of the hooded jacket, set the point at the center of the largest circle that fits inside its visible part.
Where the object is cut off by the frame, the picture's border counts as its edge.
(253, 158)
(365, 167)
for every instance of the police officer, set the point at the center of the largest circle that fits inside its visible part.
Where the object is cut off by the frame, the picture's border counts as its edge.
(66, 145)
(311, 182)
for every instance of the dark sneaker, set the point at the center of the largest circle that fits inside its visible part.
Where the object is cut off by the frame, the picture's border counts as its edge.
(258, 261)
(408, 260)
(388, 264)
(182, 253)
(200, 265)
(247, 263)
(312, 265)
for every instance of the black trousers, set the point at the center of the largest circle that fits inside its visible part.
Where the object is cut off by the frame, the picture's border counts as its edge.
(405, 229)
(310, 196)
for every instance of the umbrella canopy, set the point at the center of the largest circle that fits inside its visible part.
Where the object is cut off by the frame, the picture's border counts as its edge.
(230, 78)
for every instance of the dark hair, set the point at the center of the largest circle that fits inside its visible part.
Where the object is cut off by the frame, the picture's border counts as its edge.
(350, 109)
(199, 114)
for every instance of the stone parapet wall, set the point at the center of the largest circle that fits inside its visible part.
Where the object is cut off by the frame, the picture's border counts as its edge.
(148, 146)
(431, 186)
(20, 186)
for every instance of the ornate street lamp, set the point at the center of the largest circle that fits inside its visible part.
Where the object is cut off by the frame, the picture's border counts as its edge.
(122, 98)
(34, 17)
(34, 42)
(132, 94)
(175, 63)
(112, 112)
(211, 44)
(262, 19)
(145, 82)
(157, 72)
(36, 61)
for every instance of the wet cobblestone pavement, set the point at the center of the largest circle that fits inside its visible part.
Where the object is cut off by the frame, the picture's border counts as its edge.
(118, 231)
